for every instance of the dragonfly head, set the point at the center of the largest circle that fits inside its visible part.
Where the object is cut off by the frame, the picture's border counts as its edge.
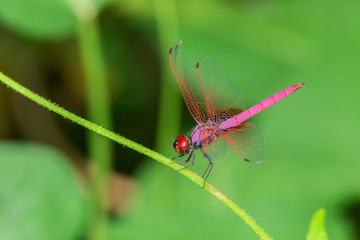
(181, 145)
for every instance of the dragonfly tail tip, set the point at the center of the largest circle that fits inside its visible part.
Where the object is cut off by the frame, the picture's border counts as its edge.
(298, 86)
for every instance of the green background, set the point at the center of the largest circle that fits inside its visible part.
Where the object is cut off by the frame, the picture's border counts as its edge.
(311, 137)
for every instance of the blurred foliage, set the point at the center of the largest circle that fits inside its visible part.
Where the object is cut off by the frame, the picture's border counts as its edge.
(42, 19)
(317, 228)
(310, 137)
(40, 197)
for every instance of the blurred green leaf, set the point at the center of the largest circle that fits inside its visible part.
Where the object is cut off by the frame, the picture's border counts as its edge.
(40, 197)
(102, 3)
(42, 19)
(317, 227)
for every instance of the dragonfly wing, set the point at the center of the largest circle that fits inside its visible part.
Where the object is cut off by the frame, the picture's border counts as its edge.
(246, 141)
(222, 98)
(216, 149)
(186, 78)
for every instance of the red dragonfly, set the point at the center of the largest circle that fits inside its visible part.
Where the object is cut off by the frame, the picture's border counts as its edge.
(219, 110)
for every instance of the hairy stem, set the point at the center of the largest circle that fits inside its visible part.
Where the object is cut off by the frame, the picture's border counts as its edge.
(137, 147)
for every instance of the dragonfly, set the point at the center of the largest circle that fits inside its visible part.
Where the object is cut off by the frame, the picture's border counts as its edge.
(219, 111)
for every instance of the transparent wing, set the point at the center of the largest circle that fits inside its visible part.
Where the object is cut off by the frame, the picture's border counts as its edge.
(222, 98)
(206, 90)
(246, 141)
(217, 149)
(186, 78)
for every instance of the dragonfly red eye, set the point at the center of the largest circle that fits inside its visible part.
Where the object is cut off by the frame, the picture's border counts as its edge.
(181, 144)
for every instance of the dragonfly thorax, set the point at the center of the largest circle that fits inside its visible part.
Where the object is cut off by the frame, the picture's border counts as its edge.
(204, 135)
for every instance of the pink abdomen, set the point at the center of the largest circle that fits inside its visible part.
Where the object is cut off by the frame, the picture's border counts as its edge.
(236, 120)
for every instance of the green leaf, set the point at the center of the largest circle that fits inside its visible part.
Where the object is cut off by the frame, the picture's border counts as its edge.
(38, 18)
(317, 228)
(40, 197)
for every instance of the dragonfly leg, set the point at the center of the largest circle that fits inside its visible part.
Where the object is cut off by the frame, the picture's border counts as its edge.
(192, 163)
(186, 160)
(210, 167)
(179, 156)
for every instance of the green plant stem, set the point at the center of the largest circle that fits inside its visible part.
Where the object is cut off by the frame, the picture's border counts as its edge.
(98, 110)
(137, 147)
(168, 125)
